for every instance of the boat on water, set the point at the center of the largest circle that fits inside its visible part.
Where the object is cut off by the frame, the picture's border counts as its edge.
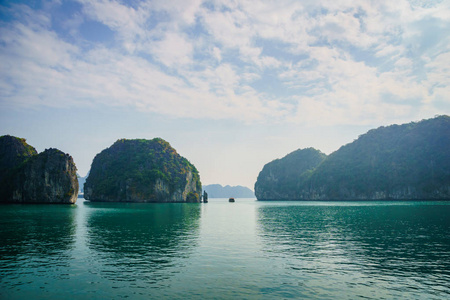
(231, 200)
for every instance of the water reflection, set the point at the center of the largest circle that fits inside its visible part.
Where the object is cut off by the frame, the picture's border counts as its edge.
(364, 245)
(35, 241)
(139, 242)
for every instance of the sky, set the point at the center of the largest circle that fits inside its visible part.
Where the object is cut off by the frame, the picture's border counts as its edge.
(231, 85)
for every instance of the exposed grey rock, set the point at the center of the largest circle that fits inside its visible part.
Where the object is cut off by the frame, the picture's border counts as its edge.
(142, 171)
(48, 177)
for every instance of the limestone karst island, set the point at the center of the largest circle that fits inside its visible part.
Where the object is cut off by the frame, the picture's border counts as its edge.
(398, 162)
(142, 171)
(29, 177)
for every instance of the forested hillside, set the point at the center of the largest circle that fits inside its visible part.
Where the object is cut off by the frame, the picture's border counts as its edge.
(409, 161)
(142, 171)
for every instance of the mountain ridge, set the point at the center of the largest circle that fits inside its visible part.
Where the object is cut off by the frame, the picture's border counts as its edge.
(408, 161)
(219, 191)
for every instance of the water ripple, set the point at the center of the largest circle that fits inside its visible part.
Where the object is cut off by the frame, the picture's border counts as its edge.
(379, 247)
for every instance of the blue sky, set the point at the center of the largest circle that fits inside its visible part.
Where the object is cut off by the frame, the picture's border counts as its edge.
(231, 85)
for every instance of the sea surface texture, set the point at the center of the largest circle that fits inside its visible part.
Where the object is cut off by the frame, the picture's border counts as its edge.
(220, 250)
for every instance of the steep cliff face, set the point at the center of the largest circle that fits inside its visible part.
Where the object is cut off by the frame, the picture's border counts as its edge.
(410, 161)
(13, 152)
(49, 177)
(142, 171)
(28, 177)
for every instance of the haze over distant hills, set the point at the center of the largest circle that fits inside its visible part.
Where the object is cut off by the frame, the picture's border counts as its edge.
(81, 181)
(219, 191)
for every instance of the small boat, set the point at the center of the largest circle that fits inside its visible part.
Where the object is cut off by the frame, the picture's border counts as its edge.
(231, 200)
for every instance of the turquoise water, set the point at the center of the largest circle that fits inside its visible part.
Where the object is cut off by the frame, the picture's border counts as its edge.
(221, 250)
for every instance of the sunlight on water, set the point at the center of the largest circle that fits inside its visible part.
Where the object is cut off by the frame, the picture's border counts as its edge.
(221, 250)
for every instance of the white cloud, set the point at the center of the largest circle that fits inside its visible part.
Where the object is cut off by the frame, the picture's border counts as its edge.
(182, 12)
(172, 50)
(127, 21)
(438, 81)
(335, 61)
(230, 29)
(388, 50)
(34, 42)
(217, 53)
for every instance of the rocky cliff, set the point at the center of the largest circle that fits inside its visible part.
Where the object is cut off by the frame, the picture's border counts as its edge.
(142, 171)
(409, 161)
(28, 177)
(13, 152)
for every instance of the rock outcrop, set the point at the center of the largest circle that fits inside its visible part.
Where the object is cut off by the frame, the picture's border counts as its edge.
(142, 171)
(398, 162)
(13, 152)
(28, 177)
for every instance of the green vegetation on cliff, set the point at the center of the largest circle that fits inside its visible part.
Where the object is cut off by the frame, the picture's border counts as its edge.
(282, 178)
(13, 152)
(410, 161)
(142, 171)
(29, 177)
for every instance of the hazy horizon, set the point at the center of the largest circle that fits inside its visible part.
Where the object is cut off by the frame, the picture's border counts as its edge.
(231, 85)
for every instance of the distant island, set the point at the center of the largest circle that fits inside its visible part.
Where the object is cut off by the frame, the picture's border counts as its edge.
(29, 177)
(219, 191)
(142, 170)
(81, 181)
(398, 162)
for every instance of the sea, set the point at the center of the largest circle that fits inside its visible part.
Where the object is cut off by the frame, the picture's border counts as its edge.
(219, 250)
